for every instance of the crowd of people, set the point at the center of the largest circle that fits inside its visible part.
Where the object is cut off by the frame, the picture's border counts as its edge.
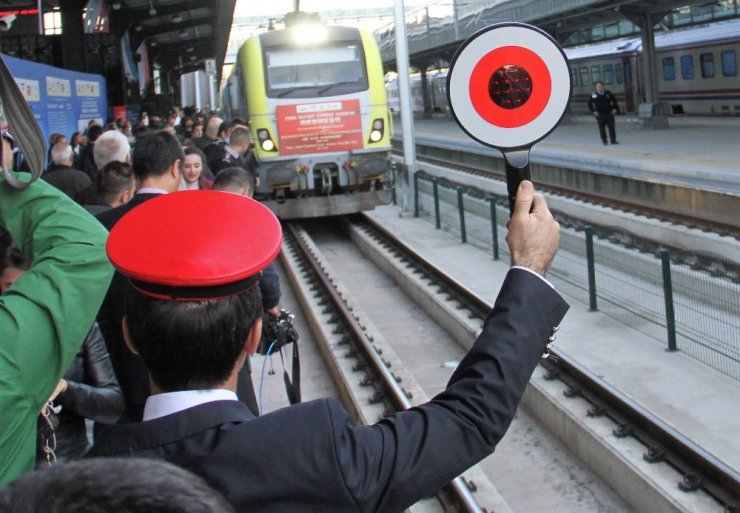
(154, 349)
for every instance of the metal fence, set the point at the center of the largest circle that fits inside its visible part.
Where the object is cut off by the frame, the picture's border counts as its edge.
(689, 302)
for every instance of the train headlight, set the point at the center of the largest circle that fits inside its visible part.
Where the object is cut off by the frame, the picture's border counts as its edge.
(266, 143)
(309, 33)
(376, 134)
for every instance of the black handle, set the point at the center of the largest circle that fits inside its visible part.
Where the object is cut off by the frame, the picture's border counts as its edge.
(517, 169)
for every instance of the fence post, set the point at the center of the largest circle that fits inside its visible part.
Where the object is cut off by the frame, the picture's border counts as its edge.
(590, 264)
(494, 228)
(394, 183)
(670, 316)
(416, 194)
(461, 208)
(435, 188)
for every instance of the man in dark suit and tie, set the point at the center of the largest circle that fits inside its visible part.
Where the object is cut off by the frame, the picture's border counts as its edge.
(156, 163)
(194, 324)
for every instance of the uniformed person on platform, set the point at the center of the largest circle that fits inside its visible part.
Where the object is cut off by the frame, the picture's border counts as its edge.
(193, 313)
(603, 105)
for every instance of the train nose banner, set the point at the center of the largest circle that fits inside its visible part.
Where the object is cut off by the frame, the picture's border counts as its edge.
(508, 87)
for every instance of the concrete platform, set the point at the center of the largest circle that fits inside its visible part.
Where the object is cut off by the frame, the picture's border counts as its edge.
(696, 400)
(694, 151)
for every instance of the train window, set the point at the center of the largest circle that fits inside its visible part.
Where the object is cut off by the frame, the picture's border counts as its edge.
(595, 74)
(669, 68)
(707, 65)
(608, 74)
(324, 71)
(574, 76)
(687, 67)
(729, 63)
(585, 82)
(618, 73)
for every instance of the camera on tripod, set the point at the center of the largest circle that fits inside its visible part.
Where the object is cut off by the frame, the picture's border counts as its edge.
(277, 332)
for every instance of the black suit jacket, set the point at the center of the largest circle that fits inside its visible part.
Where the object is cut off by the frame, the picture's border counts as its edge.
(311, 457)
(67, 179)
(129, 368)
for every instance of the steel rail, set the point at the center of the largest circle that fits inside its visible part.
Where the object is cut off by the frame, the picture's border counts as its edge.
(397, 395)
(700, 468)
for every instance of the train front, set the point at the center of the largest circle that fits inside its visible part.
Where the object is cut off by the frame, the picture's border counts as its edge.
(318, 111)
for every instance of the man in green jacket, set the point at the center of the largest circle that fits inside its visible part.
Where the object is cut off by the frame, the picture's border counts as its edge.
(46, 314)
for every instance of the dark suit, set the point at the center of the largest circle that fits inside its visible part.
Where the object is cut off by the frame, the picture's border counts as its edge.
(67, 179)
(130, 370)
(310, 457)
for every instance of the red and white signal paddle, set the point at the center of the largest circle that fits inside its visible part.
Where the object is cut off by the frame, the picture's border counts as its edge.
(508, 87)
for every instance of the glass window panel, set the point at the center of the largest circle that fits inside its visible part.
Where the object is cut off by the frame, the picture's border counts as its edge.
(584, 76)
(707, 65)
(729, 63)
(669, 69)
(611, 30)
(687, 67)
(608, 74)
(595, 74)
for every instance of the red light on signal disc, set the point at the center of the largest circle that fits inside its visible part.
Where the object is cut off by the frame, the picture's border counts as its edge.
(508, 85)
(541, 85)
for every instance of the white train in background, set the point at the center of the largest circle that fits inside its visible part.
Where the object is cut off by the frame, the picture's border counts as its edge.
(697, 73)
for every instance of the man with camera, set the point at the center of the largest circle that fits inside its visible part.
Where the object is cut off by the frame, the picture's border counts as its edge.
(240, 181)
(195, 324)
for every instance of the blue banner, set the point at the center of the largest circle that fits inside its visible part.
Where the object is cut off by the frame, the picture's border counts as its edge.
(62, 101)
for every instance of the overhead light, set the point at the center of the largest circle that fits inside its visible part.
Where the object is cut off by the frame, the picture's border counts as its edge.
(191, 49)
(137, 28)
(176, 18)
(184, 33)
(153, 43)
(152, 10)
(193, 57)
(116, 6)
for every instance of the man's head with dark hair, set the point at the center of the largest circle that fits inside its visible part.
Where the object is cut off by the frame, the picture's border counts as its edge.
(120, 485)
(12, 263)
(224, 130)
(115, 183)
(156, 157)
(234, 179)
(192, 345)
(93, 133)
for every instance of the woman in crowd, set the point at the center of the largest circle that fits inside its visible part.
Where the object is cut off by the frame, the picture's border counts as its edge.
(193, 165)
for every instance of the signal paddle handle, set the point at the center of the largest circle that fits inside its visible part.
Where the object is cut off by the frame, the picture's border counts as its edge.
(517, 169)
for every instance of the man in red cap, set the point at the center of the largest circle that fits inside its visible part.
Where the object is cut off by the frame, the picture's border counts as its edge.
(195, 315)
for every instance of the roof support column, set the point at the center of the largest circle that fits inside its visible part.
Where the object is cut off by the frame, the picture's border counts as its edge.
(73, 43)
(651, 111)
(407, 120)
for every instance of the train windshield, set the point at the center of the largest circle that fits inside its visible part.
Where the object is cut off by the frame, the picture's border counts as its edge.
(315, 72)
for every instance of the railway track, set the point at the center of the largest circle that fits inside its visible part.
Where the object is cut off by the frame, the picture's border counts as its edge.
(373, 381)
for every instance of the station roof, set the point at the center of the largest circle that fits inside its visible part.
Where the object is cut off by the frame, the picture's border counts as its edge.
(429, 42)
(180, 34)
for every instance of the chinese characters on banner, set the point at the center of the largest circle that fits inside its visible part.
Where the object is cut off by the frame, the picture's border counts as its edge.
(319, 127)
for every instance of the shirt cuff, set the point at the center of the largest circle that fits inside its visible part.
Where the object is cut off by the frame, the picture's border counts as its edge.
(536, 274)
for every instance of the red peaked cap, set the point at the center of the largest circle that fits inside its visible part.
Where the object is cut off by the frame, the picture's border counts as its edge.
(195, 245)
